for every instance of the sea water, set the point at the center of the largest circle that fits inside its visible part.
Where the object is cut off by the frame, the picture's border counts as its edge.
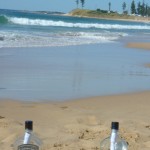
(57, 57)
(29, 29)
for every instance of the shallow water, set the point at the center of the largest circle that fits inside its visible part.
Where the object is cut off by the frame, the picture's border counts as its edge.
(70, 72)
(97, 64)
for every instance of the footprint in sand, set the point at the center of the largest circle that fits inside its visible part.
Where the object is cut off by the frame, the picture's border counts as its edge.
(55, 146)
(64, 107)
(148, 126)
(88, 120)
(1, 117)
(4, 124)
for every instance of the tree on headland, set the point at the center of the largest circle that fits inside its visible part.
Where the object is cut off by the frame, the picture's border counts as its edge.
(109, 4)
(77, 2)
(133, 10)
(146, 9)
(139, 8)
(124, 5)
(82, 3)
(143, 9)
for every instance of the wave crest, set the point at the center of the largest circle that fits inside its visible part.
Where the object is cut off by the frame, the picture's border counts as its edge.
(3, 19)
(42, 22)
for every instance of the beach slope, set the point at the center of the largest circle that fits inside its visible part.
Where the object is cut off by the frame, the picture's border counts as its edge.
(78, 124)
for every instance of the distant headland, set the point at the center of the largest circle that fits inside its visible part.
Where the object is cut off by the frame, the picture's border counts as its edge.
(101, 14)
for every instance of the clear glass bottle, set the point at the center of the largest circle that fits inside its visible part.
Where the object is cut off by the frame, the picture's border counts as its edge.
(28, 141)
(114, 142)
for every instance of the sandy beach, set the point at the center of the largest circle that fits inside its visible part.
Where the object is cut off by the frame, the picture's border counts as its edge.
(79, 124)
(73, 76)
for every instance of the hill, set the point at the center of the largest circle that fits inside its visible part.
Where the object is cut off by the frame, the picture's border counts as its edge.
(102, 14)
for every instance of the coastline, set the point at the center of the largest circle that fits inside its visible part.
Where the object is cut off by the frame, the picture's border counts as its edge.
(72, 71)
(75, 71)
(86, 14)
(87, 76)
(137, 19)
(79, 124)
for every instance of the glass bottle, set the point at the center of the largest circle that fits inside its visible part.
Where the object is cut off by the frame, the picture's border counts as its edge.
(28, 141)
(114, 142)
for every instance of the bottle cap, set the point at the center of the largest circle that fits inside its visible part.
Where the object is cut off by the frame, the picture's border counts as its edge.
(29, 125)
(115, 125)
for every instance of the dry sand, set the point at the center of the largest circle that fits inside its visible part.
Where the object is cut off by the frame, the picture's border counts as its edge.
(79, 124)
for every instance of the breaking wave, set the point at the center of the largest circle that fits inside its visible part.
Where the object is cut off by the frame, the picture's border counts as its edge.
(25, 39)
(3, 19)
(43, 22)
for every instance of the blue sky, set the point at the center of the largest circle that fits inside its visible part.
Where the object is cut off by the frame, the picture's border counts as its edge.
(63, 5)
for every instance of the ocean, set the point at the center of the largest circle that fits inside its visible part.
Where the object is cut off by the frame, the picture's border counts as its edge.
(28, 29)
(59, 57)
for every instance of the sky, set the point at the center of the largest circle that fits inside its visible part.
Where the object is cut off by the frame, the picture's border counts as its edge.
(65, 5)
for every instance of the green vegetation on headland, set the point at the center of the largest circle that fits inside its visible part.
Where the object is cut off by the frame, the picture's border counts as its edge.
(50, 12)
(106, 15)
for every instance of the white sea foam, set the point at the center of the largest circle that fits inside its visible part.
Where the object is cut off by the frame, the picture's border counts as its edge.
(42, 22)
(37, 39)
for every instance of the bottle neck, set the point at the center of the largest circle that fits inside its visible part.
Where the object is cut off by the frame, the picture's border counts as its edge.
(114, 131)
(28, 131)
(113, 138)
(114, 135)
(27, 136)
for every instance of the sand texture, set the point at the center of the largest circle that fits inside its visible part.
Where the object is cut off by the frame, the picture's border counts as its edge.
(78, 124)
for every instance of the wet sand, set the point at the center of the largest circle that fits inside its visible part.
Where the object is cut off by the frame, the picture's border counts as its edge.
(34, 74)
(147, 65)
(139, 45)
(142, 46)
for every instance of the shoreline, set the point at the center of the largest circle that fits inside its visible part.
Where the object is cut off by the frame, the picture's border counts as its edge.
(71, 72)
(34, 96)
(78, 124)
(106, 17)
(115, 19)
(132, 19)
